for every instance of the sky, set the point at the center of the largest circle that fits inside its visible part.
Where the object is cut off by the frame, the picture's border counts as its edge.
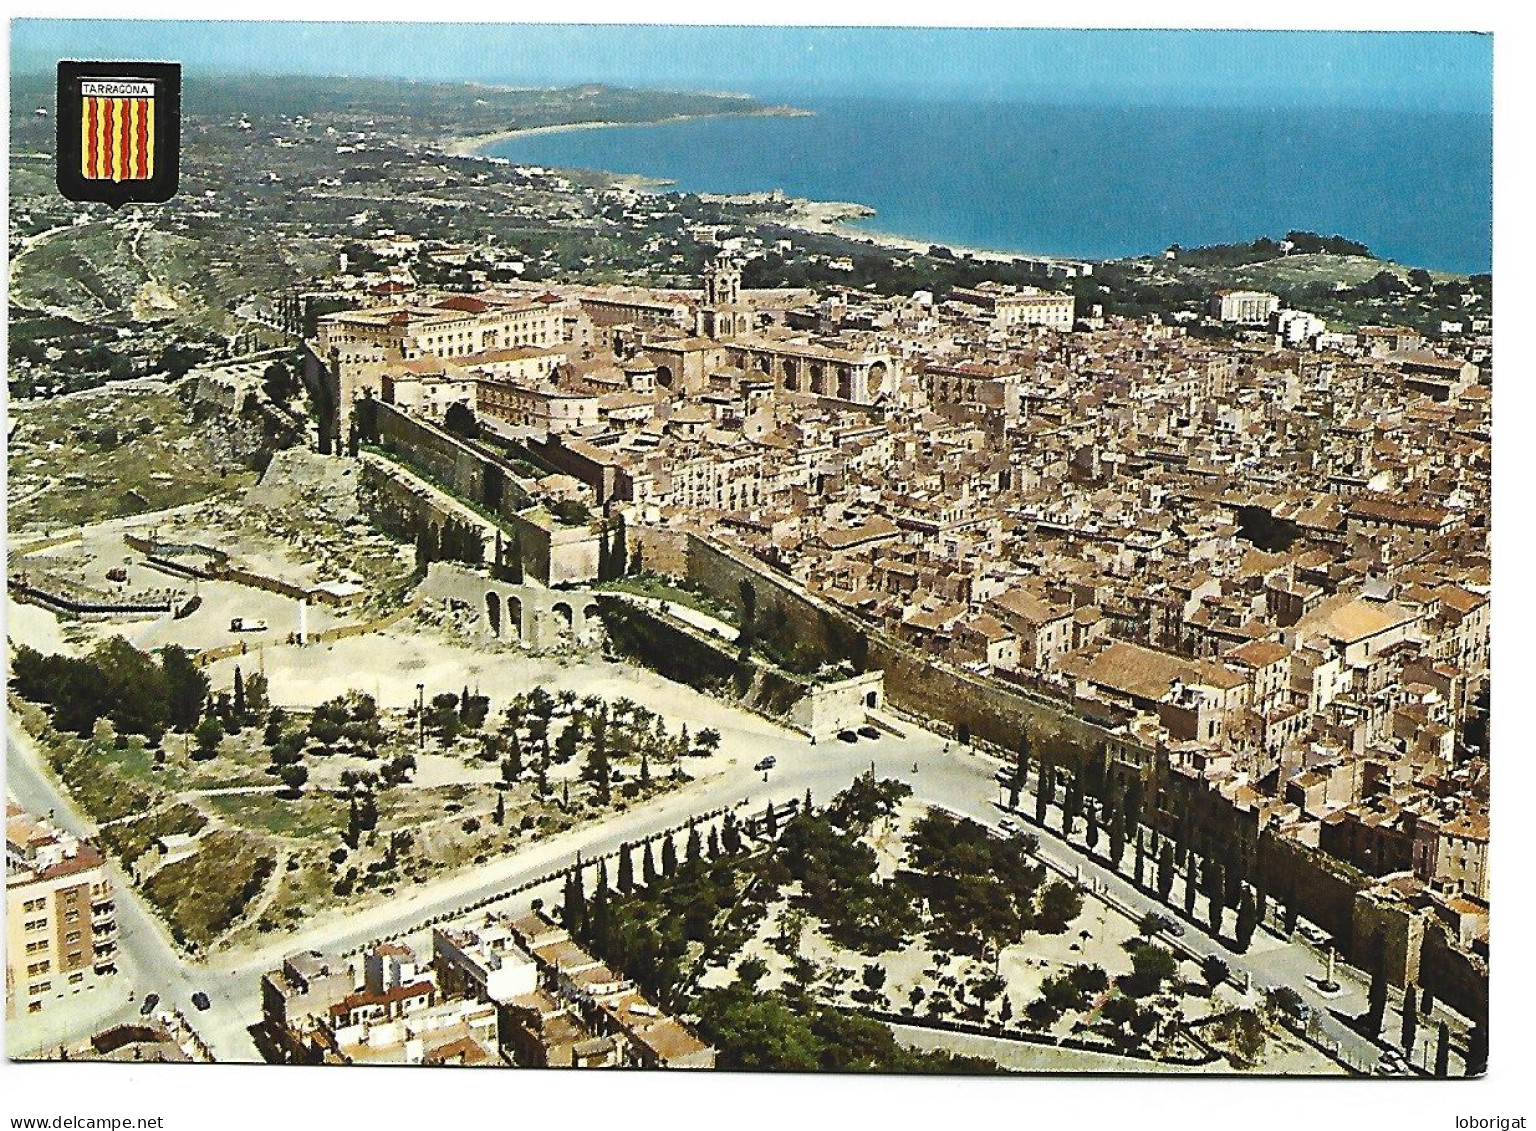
(1417, 71)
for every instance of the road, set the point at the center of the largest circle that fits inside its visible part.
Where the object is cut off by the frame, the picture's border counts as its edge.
(941, 774)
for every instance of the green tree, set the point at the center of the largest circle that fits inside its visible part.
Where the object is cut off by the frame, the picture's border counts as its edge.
(1045, 787)
(1165, 871)
(1410, 1030)
(626, 872)
(1376, 1007)
(239, 697)
(668, 855)
(648, 866)
(186, 687)
(730, 834)
(294, 775)
(770, 822)
(695, 849)
(1215, 970)
(207, 736)
(1247, 920)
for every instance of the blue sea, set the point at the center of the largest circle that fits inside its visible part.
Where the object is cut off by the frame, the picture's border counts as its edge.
(1088, 181)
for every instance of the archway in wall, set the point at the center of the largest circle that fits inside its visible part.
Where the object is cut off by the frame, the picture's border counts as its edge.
(493, 614)
(818, 378)
(513, 615)
(791, 376)
(591, 623)
(872, 699)
(564, 616)
(845, 383)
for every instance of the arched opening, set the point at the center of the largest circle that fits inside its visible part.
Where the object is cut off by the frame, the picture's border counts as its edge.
(512, 616)
(872, 699)
(791, 375)
(493, 614)
(818, 378)
(591, 623)
(844, 383)
(664, 376)
(565, 618)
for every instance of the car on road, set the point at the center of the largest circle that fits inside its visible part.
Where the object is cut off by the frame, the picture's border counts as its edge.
(767, 763)
(848, 735)
(1314, 935)
(150, 1001)
(1007, 825)
(200, 1000)
(869, 732)
(1155, 922)
(247, 624)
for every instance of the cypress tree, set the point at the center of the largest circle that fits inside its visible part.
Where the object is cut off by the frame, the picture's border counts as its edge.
(714, 843)
(1141, 860)
(1190, 886)
(1443, 1051)
(1117, 837)
(770, 821)
(626, 876)
(730, 834)
(1410, 1020)
(1165, 871)
(695, 848)
(668, 856)
(1376, 1010)
(501, 808)
(1427, 1001)
(1044, 787)
(575, 902)
(1214, 907)
(1292, 912)
(239, 695)
(1247, 920)
(1093, 827)
(648, 865)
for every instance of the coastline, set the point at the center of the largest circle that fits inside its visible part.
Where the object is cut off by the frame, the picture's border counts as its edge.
(814, 217)
(474, 145)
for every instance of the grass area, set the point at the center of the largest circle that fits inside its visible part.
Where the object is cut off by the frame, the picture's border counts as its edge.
(311, 815)
(84, 459)
(664, 589)
(205, 893)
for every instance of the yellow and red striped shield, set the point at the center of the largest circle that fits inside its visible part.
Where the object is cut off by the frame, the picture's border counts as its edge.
(117, 131)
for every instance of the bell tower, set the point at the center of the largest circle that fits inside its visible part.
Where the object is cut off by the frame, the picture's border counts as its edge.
(722, 316)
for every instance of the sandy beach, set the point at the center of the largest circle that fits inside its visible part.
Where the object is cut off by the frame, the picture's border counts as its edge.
(473, 146)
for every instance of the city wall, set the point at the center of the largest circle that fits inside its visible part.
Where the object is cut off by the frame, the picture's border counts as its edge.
(684, 654)
(1327, 891)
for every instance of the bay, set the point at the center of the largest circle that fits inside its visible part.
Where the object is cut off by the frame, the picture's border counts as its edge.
(1090, 181)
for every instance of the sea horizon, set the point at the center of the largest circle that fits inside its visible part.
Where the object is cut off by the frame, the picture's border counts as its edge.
(1069, 178)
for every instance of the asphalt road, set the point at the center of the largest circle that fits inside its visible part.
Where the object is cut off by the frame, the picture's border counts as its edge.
(940, 773)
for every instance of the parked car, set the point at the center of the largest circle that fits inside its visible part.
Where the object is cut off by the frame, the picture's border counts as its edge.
(767, 763)
(150, 1001)
(848, 736)
(869, 731)
(1315, 935)
(247, 624)
(1007, 825)
(200, 1000)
